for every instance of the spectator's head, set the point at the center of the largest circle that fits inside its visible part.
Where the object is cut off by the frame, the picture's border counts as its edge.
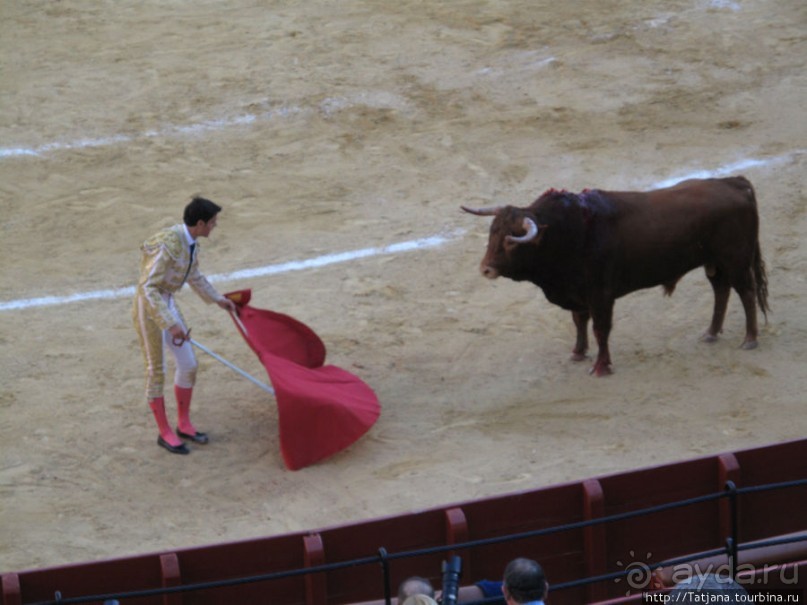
(524, 581)
(708, 584)
(414, 586)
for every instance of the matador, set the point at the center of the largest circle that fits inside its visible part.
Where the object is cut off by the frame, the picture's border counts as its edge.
(169, 259)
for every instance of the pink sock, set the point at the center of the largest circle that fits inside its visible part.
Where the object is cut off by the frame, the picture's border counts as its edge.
(157, 406)
(183, 396)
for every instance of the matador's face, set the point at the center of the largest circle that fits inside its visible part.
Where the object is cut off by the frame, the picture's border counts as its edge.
(207, 227)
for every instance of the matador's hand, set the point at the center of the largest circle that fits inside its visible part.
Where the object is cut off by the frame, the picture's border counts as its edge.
(178, 336)
(228, 305)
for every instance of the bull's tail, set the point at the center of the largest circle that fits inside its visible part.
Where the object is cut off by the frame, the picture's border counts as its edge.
(761, 279)
(760, 276)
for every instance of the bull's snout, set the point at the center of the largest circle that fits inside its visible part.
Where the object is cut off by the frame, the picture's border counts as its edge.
(488, 271)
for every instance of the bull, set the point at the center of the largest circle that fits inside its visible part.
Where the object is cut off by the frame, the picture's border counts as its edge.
(585, 250)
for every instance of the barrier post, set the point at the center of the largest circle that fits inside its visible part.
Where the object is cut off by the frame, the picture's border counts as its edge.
(316, 585)
(457, 533)
(733, 540)
(11, 589)
(382, 555)
(169, 570)
(594, 540)
(728, 469)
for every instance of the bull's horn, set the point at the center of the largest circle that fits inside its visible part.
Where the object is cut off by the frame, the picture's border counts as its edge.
(491, 211)
(532, 231)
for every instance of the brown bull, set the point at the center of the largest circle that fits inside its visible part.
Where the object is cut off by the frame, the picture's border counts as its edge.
(586, 250)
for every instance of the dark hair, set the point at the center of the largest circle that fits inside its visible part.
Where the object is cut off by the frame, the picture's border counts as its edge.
(200, 209)
(524, 580)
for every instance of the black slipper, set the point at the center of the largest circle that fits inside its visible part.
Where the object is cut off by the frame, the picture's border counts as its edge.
(174, 449)
(200, 438)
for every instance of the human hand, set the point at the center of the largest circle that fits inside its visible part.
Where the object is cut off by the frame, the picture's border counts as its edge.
(228, 305)
(178, 335)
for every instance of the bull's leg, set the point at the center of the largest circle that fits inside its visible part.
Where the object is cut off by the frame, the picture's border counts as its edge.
(602, 316)
(581, 345)
(722, 290)
(746, 288)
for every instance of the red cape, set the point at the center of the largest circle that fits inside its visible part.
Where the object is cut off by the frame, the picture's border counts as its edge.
(321, 409)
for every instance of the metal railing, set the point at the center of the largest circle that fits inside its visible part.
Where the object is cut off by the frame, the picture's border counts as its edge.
(383, 558)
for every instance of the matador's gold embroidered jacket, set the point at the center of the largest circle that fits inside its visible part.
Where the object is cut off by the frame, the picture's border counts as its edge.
(163, 269)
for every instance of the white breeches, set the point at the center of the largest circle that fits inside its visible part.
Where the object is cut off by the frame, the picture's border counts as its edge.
(153, 341)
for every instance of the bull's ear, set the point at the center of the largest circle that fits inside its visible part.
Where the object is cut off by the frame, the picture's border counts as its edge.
(490, 211)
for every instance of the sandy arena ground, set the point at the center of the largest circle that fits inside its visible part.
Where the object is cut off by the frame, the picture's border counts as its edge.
(326, 127)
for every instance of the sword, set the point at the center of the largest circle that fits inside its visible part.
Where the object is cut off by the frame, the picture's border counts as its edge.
(232, 366)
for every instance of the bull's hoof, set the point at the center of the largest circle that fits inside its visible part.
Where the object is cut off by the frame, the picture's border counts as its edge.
(600, 370)
(749, 344)
(575, 356)
(706, 337)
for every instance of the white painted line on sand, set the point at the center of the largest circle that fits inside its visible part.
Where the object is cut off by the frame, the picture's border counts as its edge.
(341, 257)
(732, 169)
(188, 129)
(298, 265)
